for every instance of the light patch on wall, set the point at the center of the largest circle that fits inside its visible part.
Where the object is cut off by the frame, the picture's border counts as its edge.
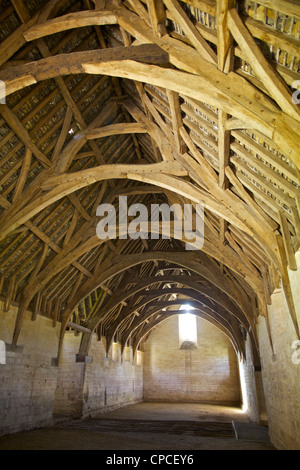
(187, 323)
(127, 353)
(243, 387)
(115, 352)
(139, 357)
(2, 352)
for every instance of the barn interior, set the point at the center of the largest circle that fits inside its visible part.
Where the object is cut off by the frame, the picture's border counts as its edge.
(140, 107)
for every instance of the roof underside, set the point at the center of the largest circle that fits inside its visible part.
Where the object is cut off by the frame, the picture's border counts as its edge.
(163, 102)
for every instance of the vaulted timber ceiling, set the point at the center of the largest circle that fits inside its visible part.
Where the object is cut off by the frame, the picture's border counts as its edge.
(164, 102)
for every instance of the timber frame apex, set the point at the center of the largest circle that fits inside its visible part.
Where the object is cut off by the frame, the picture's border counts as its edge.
(164, 101)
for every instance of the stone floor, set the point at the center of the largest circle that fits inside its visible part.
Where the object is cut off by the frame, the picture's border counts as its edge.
(144, 426)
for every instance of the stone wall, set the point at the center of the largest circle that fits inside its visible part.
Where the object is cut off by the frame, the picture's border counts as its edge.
(121, 378)
(28, 378)
(33, 389)
(281, 368)
(84, 389)
(70, 379)
(253, 400)
(208, 374)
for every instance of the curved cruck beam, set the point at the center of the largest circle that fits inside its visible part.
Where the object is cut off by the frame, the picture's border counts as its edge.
(123, 263)
(227, 327)
(66, 257)
(200, 314)
(200, 265)
(20, 77)
(164, 175)
(198, 262)
(207, 75)
(107, 172)
(56, 188)
(128, 69)
(79, 19)
(223, 203)
(206, 83)
(201, 303)
(151, 296)
(199, 310)
(212, 292)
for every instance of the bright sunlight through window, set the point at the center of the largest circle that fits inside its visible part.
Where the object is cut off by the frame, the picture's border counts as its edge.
(187, 326)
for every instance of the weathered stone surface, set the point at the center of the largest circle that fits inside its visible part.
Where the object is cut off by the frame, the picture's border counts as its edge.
(281, 375)
(206, 374)
(27, 380)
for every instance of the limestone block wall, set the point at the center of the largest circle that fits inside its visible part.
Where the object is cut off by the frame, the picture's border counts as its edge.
(33, 388)
(208, 374)
(84, 389)
(27, 379)
(281, 368)
(70, 379)
(253, 399)
(121, 379)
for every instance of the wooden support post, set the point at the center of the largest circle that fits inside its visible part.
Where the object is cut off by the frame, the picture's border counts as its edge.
(265, 71)
(10, 290)
(37, 305)
(225, 39)
(226, 65)
(23, 175)
(22, 134)
(289, 249)
(56, 312)
(157, 17)
(176, 120)
(224, 149)
(191, 31)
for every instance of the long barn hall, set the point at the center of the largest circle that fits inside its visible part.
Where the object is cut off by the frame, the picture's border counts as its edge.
(149, 225)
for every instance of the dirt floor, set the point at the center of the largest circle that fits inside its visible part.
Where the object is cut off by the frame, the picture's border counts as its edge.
(147, 426)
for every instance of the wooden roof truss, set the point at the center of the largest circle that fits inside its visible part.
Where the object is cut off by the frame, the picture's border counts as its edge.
(162, 101)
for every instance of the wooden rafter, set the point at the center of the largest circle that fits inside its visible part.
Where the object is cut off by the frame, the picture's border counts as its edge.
(276, 86)
(223, 130)
(283, 131)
